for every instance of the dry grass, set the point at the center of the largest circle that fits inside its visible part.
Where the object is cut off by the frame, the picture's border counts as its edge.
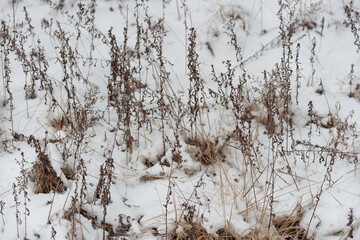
(206, 151)
(44, 176)
(193, 231)
(289, 226)
(147, 178)
(68, 172)
(227, 234)
(138, 106)
(60, 123)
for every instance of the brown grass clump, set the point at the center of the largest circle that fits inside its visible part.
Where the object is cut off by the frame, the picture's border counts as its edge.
(60, 122)
(177, 157)
(288, 226)
(68, 172)
(227, 234)
(193, 231)
(44, 176)
(196, 231)
(206, 150)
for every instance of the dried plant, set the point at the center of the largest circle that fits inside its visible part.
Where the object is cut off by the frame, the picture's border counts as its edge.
(158, 33)
(353, 19)
(133, 66)
(196, 88)
(298, 74)
(2, 205)
(53, 233)
(17, 211)
(6, 45)
(350, 223)
(22, 184)
(351, 77)
(43, 174)
(193, 232)
(121, 87)
(312, 61)
(103, 188)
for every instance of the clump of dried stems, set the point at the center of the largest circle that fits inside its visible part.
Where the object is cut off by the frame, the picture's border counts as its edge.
(138, 108)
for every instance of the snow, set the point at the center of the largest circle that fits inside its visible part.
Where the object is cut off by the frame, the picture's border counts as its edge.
(151, 194)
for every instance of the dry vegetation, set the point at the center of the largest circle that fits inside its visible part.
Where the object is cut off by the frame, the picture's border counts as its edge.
(133, 109)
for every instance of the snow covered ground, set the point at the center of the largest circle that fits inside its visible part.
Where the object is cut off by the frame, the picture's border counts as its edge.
(174, 119)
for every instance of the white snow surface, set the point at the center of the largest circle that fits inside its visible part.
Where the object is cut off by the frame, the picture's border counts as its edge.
(229, 193)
